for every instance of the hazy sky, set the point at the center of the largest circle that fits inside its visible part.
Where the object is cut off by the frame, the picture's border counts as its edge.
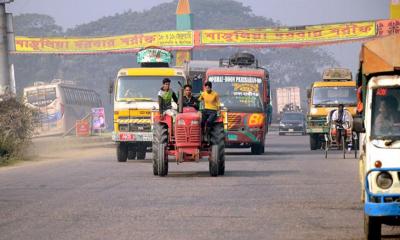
(69, 13)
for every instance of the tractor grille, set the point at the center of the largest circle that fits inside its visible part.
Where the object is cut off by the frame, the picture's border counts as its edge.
(234, 121)
(187, 134)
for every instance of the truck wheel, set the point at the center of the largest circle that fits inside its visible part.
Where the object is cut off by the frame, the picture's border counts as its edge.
(372, 228)
(313, 141)
(122, 152)
(213, 161)
(257, 149)
(160, 136)
(131, 154)
(218, 138)
(141, 153)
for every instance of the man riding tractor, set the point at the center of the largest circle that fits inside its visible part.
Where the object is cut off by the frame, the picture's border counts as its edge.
(182, 138)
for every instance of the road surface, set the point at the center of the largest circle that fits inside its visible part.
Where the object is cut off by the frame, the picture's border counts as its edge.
(289, 192)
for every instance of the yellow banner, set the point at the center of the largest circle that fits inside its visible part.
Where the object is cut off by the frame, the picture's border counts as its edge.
(299, 35)
(175, 39)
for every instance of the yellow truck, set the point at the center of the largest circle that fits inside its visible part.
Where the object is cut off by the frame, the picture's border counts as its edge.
(135, 96)
(336, 87)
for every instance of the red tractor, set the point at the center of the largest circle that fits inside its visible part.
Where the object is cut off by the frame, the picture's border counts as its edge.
(184, 140)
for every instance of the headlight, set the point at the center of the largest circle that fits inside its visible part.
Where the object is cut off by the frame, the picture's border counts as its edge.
(384, 180)
(300, 125)
(124, 128)
(194, 122)
(181, 122)
(281, 124)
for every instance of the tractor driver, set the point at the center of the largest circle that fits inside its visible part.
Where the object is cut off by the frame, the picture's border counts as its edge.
(211, 106)
(188, 99)
(165, 97)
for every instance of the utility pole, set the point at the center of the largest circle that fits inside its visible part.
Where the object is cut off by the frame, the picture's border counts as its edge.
(4, 48)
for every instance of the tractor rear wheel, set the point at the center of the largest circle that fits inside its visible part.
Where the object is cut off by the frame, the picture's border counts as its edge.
(218, 139)
(160, 136)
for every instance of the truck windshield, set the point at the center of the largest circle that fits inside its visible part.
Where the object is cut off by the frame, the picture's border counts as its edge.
(238, 91)
(334, 96)
(386, 113)
(143, 88)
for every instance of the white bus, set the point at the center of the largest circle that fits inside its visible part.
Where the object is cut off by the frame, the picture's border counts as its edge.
(59, 103)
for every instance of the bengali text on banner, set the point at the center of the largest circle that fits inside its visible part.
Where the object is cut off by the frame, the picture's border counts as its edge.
(295, 35)
(173, 40)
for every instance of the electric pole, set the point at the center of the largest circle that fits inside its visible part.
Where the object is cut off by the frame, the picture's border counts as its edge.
(4, 49)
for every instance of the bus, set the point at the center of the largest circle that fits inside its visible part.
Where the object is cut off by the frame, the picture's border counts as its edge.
(59, 105)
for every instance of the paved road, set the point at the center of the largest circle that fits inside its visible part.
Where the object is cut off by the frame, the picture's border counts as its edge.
(288, 193)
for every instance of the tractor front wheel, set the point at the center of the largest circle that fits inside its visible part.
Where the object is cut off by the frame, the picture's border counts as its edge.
(160, 137)
(218, 139)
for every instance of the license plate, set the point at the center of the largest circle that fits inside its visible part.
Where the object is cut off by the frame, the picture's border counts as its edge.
(126, 137)
(290, 129)
(232, 137)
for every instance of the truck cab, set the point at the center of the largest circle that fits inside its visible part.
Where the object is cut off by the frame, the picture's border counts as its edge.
(135, 96)
(337, 87)
(378, 123)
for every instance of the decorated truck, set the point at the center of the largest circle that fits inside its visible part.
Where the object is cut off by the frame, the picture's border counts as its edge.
(244, 92)
(336, 87)
(379, 126)
(135, 96)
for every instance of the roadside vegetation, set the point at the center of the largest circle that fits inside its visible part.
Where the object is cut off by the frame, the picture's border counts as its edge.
(16, 129)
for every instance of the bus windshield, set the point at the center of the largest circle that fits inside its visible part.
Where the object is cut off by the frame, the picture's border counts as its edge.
(238, 91)
(143, 88)
(335, 95)
(41, 97)
(386, 113)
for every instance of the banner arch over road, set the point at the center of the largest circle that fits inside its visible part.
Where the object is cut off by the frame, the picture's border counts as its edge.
(282, 37)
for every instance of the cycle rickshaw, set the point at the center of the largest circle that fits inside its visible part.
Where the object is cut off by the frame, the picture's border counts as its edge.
(349, 138)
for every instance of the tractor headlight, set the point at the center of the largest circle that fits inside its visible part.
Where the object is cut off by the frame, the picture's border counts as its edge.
(124, 128)
(384, 180)
(194, 122)
(181, 122)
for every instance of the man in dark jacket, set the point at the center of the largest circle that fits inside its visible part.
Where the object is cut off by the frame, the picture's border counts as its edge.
(188, 99)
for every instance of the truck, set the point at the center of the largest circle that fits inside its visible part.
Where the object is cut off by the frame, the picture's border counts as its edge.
(337, 87)
(378, 124)
(287, 99)
(135, 96)
(244, 90)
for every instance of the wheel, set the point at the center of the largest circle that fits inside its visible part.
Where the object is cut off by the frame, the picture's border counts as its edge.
(281, 134)
(122, 152)
(257, 149)
(344, 147)
(326, 147)
(372, 228)
(313, 141)
(132, 152)
(162, 161)
(355, 144)
(213, 161)
(141, 153)
(160, 135)
(218, 139)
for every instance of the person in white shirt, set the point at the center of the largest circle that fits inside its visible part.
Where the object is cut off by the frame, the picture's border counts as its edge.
(340, 117)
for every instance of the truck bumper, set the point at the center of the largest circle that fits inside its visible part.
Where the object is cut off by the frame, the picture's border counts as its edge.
(381, 204)
(132, 136)
(243, 138)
